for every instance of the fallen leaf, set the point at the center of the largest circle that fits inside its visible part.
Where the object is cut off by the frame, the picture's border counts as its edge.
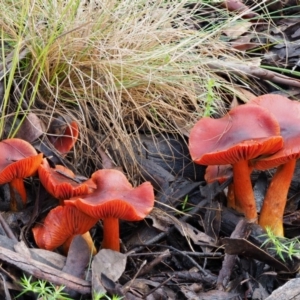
(161, 220)
(77, 260)
(144, 287)
(237, 29)
(197, 236)
(31, 128)
(78, 257)
(244, 43)
(111, 287)
(243, 247)
(110, 263)
(190, 293)
(239, 7)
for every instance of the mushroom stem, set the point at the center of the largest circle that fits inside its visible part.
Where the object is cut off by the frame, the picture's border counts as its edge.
(231, 202)
(274, 203)
(111, 234)
(244, 197)
(230, 196)
(17, 194)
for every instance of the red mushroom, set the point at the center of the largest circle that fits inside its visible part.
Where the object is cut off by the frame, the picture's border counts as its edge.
(18, 160)
(61, 183)
(246, 132)
(287, 113)
(115, 199)
(221, 174)
(218, 173)
(60, 226)
(63, 135)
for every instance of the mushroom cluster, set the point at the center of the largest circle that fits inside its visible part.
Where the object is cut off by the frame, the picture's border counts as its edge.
(106, 196)
(261, 134)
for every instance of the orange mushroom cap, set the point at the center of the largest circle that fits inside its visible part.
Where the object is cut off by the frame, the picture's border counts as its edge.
(18, 159)
(59, 225)
(246, 132)
(65, 142)
(115, 197)
(287, 114)
(60, 182)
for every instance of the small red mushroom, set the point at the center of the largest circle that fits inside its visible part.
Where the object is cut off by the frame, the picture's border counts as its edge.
(18, 160)
(287, 113)
(60, 226)
(246, 132)
(61, 183)
(114, 199)
(64, 135)
(218, 173)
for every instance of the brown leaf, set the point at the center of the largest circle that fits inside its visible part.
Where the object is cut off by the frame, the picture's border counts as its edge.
(197, 236)
(78, 257)
(237, 29)
(239, 7)
(246, 248)
(161, 220)
(31, 128)
(244, 43)
(110, 263)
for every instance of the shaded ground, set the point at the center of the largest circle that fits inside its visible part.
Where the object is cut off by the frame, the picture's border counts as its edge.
(191, 246)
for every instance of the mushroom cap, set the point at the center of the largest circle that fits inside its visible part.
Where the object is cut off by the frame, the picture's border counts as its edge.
(218, 173)
(244, 133)
(62, 186)
(287, 113)
(60, 224)
(65, 142)
(18, 159)
(115, 197)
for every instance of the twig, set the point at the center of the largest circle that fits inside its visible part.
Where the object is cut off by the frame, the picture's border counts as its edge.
(154, 262)
(136, 275)
(240, 231)
(6, 292)
(199, 254)
(7, 229)
(45, 272)
(209, 277)
(157, 287)
(254, 71)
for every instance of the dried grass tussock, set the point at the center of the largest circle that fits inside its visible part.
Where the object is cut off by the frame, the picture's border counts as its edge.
(118, 67)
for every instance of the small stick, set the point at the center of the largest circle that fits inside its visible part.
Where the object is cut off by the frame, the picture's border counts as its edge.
(240, 231)
(154, 262)
(157, 287)
(7, 229)
(199, 254)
